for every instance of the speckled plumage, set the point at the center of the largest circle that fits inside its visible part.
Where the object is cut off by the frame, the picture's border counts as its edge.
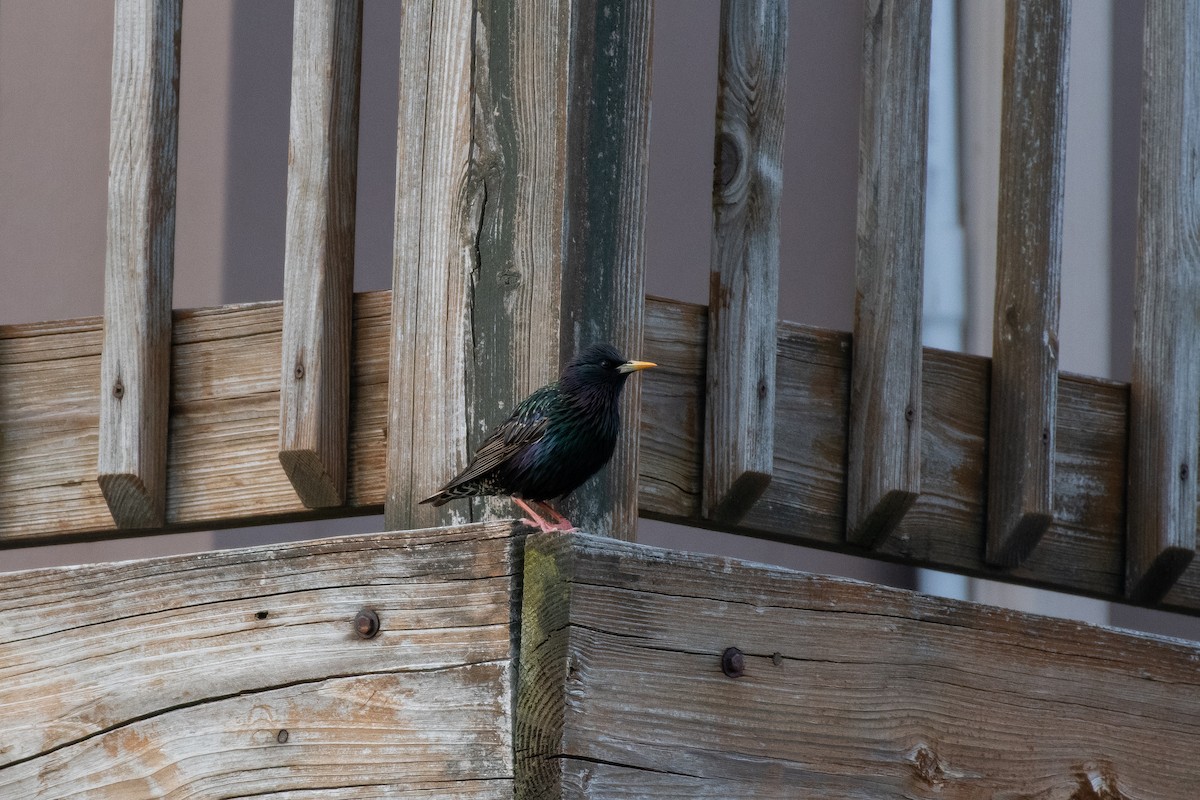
(556, 438)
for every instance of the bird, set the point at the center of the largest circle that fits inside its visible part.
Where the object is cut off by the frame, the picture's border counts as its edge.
(556, 439)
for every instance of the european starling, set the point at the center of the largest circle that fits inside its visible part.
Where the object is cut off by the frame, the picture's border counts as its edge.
(556, 439)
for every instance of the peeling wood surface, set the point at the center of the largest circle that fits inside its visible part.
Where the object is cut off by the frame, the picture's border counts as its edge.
(519, 217)
(849, 690)
(318, 285)
(518, 163)
(238, 672)
(225, 410)
(1164, 426)
(744, 274)
(884, 473)
(1033, 155)
(139, 261)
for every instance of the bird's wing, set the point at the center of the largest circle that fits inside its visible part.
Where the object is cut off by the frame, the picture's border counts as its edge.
(527, 425)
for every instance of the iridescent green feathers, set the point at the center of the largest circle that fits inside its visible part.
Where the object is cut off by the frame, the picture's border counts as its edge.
(556, 438)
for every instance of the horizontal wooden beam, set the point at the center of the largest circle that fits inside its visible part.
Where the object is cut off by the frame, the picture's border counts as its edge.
(345, 662)
(651, 673)
(225, 410)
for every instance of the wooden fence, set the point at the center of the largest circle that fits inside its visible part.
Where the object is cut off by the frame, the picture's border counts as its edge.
(520, 194)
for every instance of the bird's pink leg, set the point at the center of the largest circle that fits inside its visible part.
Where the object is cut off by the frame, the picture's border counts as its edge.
(537, 521)
(561, 523)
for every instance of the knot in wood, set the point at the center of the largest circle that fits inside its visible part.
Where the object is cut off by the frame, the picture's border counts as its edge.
(1183, 472)
(282, 736)
(118, 389)
(927, 766)
(728, 161)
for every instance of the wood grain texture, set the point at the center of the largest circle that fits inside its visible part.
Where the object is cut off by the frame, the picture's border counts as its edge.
(318, 285)
(231, 416)
(519, 159)
(139, 261)
(744, 275)
(437, 217)
(220, 416)
(604, 234)
(884, 472)
(238, 672)
(849, 690)
(1033, 148)
(1164, 428)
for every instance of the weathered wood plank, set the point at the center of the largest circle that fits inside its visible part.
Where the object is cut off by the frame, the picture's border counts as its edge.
(318, 285)
(230, 415)
(125, 701)
(519, 160)
(605, 217)
(225, 410)
(486, 308)
(1033, 139)
(139, 261)
(1164, 428)
(847, 690)
(437, 217)
(884, 472)
(739, 444)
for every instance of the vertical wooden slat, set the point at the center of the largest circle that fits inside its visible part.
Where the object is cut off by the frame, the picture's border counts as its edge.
(603, 273)
(319, 255)
(135, 366)
(1028, 263)
(433, 258)
(739, 440)
(884, 467)
(522, 78)
(490, 294)
(1165, 393)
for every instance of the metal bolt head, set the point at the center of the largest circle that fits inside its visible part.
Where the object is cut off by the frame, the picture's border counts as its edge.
(733, 662)
(366, 624)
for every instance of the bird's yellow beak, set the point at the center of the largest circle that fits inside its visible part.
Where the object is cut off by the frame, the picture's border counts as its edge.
(634, 366)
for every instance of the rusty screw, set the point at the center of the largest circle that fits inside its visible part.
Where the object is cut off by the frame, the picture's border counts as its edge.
(366, 624)
(733, 662)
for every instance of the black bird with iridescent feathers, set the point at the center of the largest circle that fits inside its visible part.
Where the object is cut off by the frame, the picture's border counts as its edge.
(556, 439)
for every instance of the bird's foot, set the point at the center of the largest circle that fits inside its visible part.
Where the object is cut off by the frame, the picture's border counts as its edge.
(560, 523)
(538, 522)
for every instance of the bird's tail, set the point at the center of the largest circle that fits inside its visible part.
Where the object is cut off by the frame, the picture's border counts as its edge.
(439, 498)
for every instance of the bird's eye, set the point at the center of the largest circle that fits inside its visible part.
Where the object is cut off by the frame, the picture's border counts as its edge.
(608, 363)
